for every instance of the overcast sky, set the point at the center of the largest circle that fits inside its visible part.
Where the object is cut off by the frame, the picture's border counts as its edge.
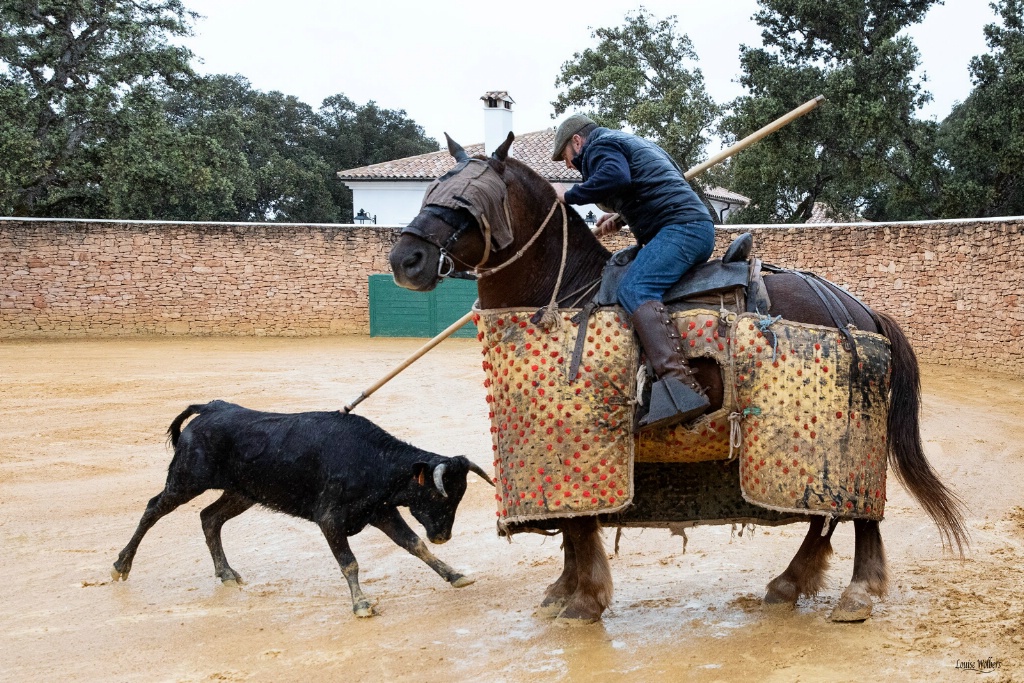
(435, 58)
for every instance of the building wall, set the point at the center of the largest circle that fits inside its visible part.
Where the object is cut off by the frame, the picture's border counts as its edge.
(393, 203)
(956, 286)
(398, 202)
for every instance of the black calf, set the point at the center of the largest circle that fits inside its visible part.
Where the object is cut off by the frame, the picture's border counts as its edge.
(340, 471)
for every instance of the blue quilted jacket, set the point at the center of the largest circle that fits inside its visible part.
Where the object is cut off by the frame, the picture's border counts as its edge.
(638, 180)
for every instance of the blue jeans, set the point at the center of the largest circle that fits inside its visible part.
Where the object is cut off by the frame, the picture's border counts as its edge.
(674, 250)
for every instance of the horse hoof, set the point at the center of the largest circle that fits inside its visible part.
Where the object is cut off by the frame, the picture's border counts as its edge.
(118, 575)
(549, 610)
(851, 608)
(230, 583)
(570, 621)
(462, 582)
(575, 614)
(782, 594)
(844, 615)
(854, 605)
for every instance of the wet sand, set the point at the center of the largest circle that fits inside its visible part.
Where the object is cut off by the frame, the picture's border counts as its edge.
(82, 448)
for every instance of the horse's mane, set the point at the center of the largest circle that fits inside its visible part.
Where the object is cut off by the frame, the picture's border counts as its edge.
(536, 187)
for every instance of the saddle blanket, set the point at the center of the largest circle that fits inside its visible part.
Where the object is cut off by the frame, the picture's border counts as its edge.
(805, 416)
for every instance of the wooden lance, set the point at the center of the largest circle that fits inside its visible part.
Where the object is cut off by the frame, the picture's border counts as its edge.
(692, 173)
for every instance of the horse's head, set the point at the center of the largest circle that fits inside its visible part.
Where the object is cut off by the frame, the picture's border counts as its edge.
(463, 220)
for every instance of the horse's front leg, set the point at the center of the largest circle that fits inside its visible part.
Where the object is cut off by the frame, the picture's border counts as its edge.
(558, 593)
(593, 591)
(805, 574)
(870, 576)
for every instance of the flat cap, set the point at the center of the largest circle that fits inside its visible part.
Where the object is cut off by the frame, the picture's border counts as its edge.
(572, 125)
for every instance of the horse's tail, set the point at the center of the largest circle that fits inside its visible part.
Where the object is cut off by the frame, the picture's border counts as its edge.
(903, 433)
(174, 431)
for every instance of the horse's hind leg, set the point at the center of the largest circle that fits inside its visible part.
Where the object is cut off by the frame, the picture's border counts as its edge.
(593, 577)
(558, 593)
(870, 576)
(805, 574)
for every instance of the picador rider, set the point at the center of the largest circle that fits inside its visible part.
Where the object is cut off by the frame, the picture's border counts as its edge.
(641, 186)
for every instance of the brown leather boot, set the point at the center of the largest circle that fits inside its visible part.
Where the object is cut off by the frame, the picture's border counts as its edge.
(675, 396)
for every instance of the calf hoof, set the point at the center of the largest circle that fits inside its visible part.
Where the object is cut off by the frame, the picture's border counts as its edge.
(462, 581)
(231, 578)
(363, 610)
(854, 605)
(782, 595)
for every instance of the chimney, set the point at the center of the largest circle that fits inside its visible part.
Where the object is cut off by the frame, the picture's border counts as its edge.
(497, 119)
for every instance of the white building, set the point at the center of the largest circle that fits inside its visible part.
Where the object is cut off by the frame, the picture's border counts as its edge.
(391, 193)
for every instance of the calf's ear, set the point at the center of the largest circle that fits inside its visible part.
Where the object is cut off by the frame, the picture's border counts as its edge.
(419, 472)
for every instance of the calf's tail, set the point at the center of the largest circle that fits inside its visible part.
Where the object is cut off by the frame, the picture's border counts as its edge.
(906, 453)
(174, 431)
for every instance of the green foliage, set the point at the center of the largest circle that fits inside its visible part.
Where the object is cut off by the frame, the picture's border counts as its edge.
(982, 140)
(74, 62)
(636, 77)
(101, 117)
(160, 165)
(19, 150)
(356, 136)
(863, 142)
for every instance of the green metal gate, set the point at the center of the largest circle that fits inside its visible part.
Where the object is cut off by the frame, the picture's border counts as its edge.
(398, 312)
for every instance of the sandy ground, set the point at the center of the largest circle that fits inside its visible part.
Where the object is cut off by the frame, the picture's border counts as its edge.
(82, 449)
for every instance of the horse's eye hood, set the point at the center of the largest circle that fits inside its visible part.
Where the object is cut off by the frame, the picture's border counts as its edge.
(475, 187)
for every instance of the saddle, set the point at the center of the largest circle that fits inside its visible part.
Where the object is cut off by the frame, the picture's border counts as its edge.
(736, 273)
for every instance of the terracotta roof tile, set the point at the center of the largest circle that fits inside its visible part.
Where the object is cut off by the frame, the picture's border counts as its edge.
(822, 213)
(533, 149)
(725, 195)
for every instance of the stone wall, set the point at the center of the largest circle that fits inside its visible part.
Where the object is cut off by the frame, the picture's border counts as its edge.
(88, 278)
(954, 285)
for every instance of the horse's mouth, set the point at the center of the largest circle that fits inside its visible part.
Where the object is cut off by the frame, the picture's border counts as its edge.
(415, 264)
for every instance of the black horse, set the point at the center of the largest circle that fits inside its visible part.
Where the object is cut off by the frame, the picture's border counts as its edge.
(525, 273)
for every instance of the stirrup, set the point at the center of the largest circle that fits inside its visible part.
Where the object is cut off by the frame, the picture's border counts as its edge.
(671, 403)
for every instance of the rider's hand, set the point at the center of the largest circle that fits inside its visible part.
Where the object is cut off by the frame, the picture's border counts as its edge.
(607, 224)
(559, 192)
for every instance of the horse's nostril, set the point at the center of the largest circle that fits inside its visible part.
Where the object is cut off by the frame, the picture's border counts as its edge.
(413, 259)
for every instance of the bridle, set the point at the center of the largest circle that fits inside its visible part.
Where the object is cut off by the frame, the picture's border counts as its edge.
(460, 221)
(463, 221)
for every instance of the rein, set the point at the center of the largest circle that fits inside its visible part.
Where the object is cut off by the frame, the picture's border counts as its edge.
(519, 254)
(549, 318)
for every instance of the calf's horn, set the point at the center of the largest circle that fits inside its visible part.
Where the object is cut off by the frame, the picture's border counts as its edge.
(479, 470)
(439, 478)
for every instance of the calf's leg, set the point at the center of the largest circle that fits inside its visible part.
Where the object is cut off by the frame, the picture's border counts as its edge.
(805, 574)
(159, 505)
(593, 577)
(558, 593)
(213, 517)
(870, 576)
(391, 523)
(336, 538)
